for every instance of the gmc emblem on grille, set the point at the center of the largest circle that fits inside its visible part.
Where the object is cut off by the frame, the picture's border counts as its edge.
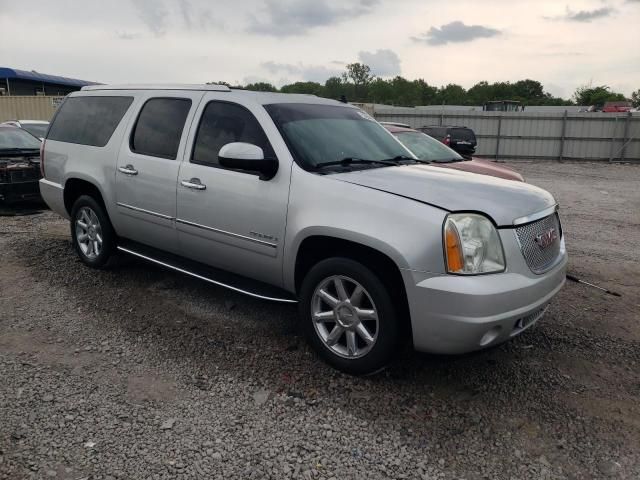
(547, 238)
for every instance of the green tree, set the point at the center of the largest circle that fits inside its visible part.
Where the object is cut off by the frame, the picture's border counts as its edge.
(529, 91)
(635, 98)
(360, 75)
(261, 87)
(588, 95)
(381, 91)
(452, 94)
(310, 88)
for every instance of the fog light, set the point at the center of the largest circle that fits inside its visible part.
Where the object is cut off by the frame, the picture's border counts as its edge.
(490, 336)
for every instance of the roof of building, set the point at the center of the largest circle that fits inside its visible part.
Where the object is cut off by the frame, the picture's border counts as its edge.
(34, 76)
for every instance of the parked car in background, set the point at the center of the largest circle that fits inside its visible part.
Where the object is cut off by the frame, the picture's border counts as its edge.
(461, 139)
(300, 199)
(617, 107)
(427, 148)
(37, 128)
(19, 165)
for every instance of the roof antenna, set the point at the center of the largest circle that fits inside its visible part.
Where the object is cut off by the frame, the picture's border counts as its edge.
(343, 99)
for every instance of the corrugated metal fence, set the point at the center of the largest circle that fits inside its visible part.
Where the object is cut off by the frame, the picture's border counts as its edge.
(28, 108)
(538, 136)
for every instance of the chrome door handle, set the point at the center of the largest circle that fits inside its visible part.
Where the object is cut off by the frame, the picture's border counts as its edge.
(194, 184)
(128, 170)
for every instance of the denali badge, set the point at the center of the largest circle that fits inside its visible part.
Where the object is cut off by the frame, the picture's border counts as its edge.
(547, 238)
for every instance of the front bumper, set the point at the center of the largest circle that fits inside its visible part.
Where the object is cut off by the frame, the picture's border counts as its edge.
(19, 191)
(456, 314)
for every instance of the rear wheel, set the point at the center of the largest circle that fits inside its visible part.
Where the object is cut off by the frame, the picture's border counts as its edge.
(348, 316)
(91, 231)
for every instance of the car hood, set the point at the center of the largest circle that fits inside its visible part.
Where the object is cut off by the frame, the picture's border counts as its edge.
(484, 167)
(455, 190)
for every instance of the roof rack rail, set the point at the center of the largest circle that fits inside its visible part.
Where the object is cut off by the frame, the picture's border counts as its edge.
(149, 86)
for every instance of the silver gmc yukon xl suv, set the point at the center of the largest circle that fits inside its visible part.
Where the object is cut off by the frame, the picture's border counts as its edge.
(295, 198)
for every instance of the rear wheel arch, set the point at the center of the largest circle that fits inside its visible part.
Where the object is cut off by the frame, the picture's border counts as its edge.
(74, 188)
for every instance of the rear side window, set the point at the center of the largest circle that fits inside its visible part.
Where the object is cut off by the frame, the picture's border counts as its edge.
(224, 123)
(159, 127)
(88, 120)
(435, 132)
(465, 134)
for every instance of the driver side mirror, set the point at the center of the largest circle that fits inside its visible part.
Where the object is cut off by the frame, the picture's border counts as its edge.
(246, 156)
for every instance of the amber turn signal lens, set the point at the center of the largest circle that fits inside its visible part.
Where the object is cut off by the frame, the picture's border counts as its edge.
(453, 249)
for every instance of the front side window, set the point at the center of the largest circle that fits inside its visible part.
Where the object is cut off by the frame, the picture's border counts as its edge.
(318, 134)
(159, 127)
(426, 148)
(89, 120)
(223, 123)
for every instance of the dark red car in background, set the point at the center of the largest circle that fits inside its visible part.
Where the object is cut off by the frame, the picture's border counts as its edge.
(427, 148)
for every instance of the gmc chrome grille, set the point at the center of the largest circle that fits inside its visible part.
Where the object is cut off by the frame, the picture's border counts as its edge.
(540, 242)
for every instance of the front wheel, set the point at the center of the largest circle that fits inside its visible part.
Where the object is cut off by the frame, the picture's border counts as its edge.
(91, 232)
(348, 316)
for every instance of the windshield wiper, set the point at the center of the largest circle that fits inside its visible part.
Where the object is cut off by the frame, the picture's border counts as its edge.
(399, 158)
(345, 162)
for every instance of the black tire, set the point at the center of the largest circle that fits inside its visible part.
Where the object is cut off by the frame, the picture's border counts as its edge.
(107, 234)
(388, 338)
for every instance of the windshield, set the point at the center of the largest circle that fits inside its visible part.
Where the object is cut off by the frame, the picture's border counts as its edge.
(426, 148)
(15, 138)
(317, 134)
(36, 129)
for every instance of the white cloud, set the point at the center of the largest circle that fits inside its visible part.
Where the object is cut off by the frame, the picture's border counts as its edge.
(383, 63)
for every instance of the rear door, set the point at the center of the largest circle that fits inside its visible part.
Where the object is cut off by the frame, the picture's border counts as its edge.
(231, 219)
(148, 165)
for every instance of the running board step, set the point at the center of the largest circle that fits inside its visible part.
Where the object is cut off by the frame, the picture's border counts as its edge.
(222, 278)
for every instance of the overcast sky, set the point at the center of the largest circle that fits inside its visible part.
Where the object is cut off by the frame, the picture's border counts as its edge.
(561, 43)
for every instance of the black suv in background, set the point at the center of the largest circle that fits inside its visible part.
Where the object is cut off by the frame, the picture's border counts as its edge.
(460, 139)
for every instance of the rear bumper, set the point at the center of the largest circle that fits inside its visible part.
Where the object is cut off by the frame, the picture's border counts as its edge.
(456, 314)
(53, 195)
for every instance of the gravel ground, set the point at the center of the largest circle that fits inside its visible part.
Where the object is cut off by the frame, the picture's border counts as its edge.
(140, 373)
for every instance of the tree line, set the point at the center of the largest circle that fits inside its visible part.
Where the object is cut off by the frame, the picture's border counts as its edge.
(358, 84)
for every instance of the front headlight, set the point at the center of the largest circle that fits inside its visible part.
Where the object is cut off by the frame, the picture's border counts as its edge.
(472, 245)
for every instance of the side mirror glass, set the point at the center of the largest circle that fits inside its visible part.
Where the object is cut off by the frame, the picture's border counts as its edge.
(246, 156)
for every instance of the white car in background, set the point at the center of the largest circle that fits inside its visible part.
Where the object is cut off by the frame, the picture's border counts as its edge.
(37, 128)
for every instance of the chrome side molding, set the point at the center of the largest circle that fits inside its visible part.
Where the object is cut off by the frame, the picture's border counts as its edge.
(228, 234)
(142, 210)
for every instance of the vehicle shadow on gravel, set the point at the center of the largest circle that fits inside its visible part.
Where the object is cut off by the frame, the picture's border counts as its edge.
(523, 396)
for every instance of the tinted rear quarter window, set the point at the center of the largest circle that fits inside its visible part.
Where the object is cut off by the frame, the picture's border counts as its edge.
(465, 134)
(159, 127)
(435, 132)
(88, 120)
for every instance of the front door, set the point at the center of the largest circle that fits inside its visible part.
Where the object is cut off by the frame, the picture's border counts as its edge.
(148, 165)
(231, 219)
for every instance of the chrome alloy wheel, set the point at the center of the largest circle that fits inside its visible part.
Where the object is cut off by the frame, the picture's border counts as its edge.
(344, 317)
(88, 232)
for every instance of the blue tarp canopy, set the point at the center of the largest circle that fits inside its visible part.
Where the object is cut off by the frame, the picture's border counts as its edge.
(12, 73)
